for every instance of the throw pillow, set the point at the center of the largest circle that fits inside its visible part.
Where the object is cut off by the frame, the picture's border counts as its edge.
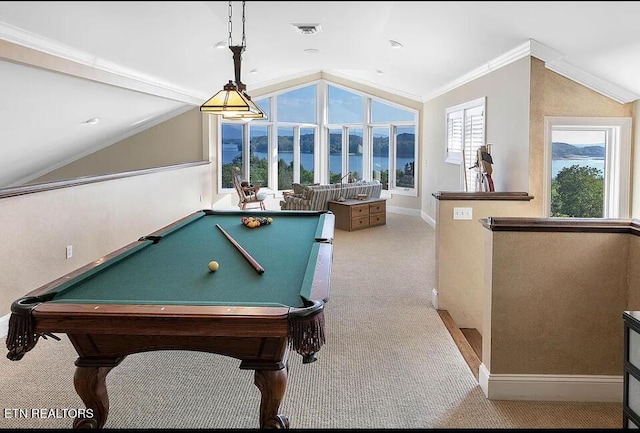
(298, 189)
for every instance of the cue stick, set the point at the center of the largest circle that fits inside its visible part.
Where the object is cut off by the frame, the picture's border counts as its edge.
(259, 269)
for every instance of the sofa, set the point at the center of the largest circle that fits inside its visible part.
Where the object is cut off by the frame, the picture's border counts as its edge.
(316, 197)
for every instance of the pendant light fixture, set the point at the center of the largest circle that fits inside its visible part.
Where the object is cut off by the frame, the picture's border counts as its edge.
(232, 102)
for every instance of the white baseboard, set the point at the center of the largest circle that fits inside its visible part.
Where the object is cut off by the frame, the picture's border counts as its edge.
(403, 211)
(434, 298)
(428, 219)
(550, 387)
(4, 326)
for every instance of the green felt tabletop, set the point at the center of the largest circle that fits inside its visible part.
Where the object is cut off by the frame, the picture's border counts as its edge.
(175, 269)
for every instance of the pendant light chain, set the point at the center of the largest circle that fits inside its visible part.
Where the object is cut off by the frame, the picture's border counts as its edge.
(230, 26)
(244, 40)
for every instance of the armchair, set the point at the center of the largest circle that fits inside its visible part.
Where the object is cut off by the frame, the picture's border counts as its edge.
(247, 194)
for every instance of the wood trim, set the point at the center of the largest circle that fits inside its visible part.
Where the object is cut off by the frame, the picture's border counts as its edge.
(465, 348)
(49, 186)
(474, 338)
(503, 196)
(583, 225)
(98, 310)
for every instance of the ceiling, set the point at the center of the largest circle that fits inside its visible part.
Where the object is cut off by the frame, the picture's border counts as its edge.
(133, 64)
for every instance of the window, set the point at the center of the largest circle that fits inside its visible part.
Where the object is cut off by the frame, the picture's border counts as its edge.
(319, 133)
(344, 106)
(230, 152)
(394, 146)
(285, 157)
(465, 134)
(307, 155)
(405, 158)
(587, 167)
(381, 155)
(258, 154)
(335, 154)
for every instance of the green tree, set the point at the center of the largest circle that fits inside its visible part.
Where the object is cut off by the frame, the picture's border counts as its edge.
(578, 192)
(285, 174)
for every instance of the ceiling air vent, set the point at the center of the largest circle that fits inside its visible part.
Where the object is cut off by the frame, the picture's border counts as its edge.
(307, 29)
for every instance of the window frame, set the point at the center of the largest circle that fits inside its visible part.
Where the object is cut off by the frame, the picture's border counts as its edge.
(453, 155)
(617, 160)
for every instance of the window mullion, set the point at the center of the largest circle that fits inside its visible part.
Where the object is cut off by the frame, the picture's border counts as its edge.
(393, 137)
(296, 154)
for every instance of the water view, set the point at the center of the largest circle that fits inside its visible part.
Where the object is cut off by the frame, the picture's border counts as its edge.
(306, 160)
(559, 164)
(565, 155)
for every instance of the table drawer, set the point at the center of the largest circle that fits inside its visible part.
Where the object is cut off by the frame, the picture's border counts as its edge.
(360, 222)
(377, 219)
(377, 207)
(359, 210)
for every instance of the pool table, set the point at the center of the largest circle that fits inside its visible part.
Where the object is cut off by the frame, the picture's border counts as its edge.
(158, 293)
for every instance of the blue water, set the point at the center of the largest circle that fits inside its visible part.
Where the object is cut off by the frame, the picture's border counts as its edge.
(559, 164)
(355, 161)
(335, 161)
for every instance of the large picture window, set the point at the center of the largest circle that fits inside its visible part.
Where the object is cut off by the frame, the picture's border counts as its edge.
(322, 133)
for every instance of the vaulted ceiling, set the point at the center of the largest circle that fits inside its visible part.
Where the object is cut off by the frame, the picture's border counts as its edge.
(133, 64)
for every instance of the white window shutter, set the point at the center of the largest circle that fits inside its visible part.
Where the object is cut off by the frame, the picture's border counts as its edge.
(455, 144)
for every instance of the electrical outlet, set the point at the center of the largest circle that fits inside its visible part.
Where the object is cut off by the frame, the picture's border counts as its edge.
(69, 251)
(462, 213)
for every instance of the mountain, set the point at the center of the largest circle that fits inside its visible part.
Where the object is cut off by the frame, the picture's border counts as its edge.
(569, 151)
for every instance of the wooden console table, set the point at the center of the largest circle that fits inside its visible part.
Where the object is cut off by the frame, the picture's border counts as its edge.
(353, 214)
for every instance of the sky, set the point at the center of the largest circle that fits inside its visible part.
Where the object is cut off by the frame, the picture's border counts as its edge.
(579, 137)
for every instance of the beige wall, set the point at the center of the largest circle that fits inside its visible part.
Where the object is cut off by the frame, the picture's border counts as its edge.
(507, 125)
(460, 257)
(556, 302)
(177, 140)
(95, 218)
(633, 289)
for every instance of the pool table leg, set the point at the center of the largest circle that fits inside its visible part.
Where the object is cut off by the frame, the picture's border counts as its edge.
(90, 383)
(272, 385)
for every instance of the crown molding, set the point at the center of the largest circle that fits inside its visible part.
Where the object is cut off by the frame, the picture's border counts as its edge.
(543, 52)
(554, 61)
(594, 83)
(19, 43)
(511, 56)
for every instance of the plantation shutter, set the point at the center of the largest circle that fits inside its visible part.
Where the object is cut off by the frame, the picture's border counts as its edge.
(455, 144)
(473, 139)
